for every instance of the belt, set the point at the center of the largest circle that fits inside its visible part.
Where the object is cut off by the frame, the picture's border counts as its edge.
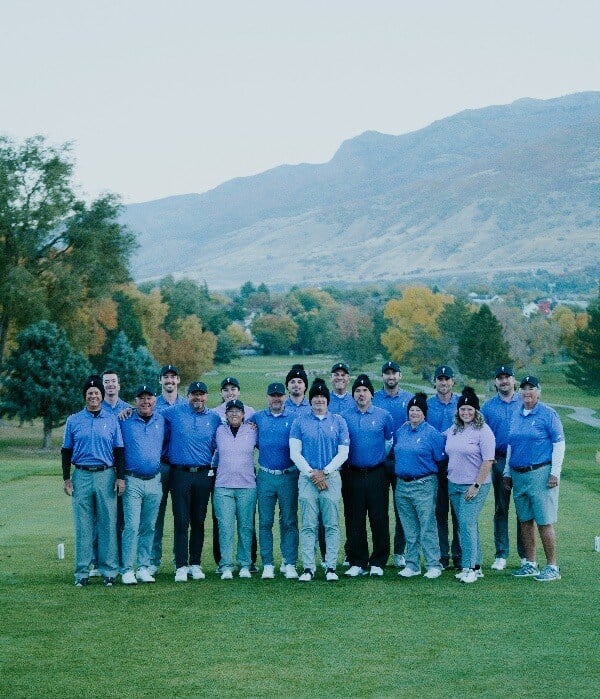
(140, 476)
(533, 467)
(277, 472)
(410, 479)
(365, 469)
(92, 469)
(191, 469)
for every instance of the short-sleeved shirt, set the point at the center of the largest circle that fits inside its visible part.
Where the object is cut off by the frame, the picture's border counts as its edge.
(340, 404)
(119, 406)
(296, 410)
(274, 439)
(368, 433)
(498, 414)
(417, 450)
(395, 405)
(191, 435)
(92, 437)
(531, 436)
(441, 415)
(162, 404)
(143, 443)
(320, 438)
(234, 457)
(466, 451)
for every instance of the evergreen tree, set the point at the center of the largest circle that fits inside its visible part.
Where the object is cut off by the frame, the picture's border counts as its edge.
(124, 360)
(148, 367)
(44, 376)
(585, 370)
(482, 346)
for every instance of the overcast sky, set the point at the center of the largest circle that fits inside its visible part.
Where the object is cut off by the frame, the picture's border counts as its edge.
(163, 98)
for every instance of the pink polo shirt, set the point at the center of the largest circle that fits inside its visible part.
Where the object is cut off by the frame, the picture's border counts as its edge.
(234, 457)
(467, 450)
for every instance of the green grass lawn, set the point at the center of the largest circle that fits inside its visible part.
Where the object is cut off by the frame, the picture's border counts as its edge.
(252, 638)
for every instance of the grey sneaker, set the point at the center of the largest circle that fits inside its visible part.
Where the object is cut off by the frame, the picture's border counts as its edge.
(527, 570)
(548, 574)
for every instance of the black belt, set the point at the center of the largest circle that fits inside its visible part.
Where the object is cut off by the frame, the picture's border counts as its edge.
(92, 469)
(191, 469)
(140, 476)
(410, 479)
(533, 467)
(365, 469)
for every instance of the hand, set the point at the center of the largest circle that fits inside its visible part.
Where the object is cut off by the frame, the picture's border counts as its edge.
(68, 486)
(471, 492)
(119, 486)
(318, 478)
(552, 481)
(507, 480)
(125, 413)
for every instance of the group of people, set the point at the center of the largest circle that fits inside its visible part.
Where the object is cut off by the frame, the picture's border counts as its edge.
(317, 447)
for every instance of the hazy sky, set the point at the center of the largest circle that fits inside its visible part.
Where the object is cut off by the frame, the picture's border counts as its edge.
(164, 98)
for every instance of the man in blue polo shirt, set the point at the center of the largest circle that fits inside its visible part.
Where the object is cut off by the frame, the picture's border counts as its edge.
(441, 408)
(169, 381)
(296, 382)
(371, 432)
(191, 430)
(393, 399)
(536, 449)
(498, 412)
(276, 481)
(93, 444)
(143, 436)
(319, 446)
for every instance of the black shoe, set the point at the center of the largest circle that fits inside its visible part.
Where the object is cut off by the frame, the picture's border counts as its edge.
(457, 564)
(445, 562)
(253, 568)
(108, 582)
(82, 582)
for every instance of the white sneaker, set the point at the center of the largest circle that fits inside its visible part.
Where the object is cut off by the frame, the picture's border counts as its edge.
(376, 572)
(283, 567)
(268, 572)
(227, 574)
(355, 571)
(459, 575)
(181, 574)
(143, 575)
(469, 577)
(432, 573)
(479, 572)
(94, 573)
(196, 572)
(290, 572)
(498, 564)
(408, 573)
(399, 560)
(128, 578)
(307, 575)
(152, 569)
(245, 572)
(331, 575)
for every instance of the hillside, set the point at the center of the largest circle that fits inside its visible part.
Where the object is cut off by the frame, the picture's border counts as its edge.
(504, 187)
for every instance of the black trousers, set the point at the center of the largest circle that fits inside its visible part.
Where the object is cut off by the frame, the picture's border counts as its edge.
(190, 493)
(368, 494)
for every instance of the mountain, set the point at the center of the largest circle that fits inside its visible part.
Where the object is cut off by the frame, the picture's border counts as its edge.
(506, 187)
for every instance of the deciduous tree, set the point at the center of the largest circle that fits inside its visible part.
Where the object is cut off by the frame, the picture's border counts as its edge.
(584, 372)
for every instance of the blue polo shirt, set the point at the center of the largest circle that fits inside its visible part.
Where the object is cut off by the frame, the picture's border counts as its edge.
(119, 406)
(320, 438)
(340, 404)
(395, 405)
(498, 414)
(417, 450)
(531, 436)
(92, 438)
(441, 415)
(143, 443)
(191, 435)
(274, 439)
(162, 405)
(297, 410)
(368, 432)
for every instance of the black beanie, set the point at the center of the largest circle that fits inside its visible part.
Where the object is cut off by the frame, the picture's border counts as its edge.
(297, 372)
(420, 400)
(363, 380)
(468, 397)
(95, 381)
(318, 388)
